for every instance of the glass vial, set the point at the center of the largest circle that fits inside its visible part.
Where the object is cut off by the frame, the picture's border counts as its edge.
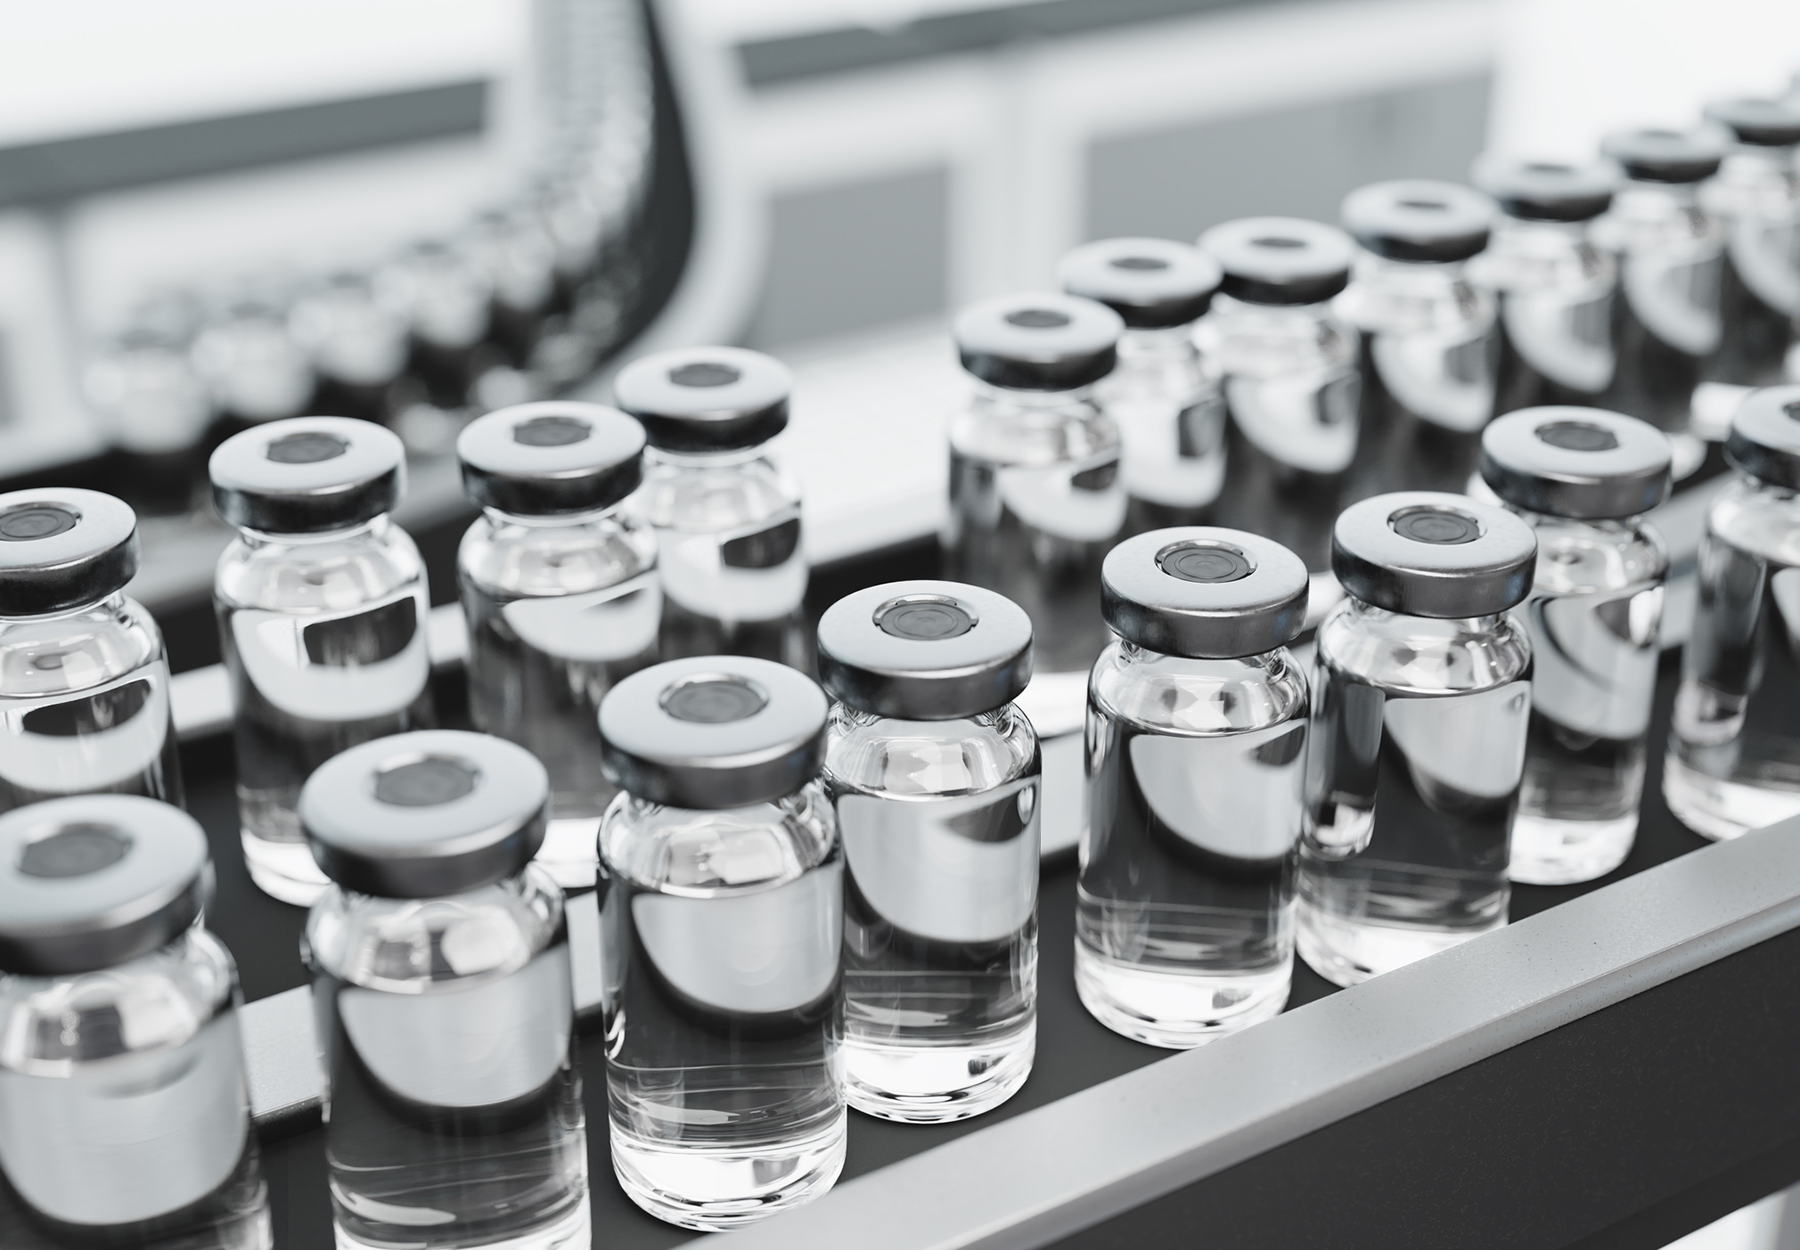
(124, 1111)
(1164, 397)
(727, 518)
(1671, 255)
(1756, 200)
(252, 366)
(722, 922)
(322, 612)
(156, 412)
(441, 992)
(1290, 377)
(1555, 289)
(560, 593)
(1421, 705)
(933, 772)
(357, 348)
(1196, 743)
(84, 680)
(1583, 479)
(1734, 757)
(1429, 346)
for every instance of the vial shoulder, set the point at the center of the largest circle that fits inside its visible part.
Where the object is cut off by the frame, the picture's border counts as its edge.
(508, 560)
(1417, 655)
(418, 946)
(1758, 519)
(1015, 430)
(1433, 304)
(719, 853)
(1251, 341)
(892, 758)
(705, 494)
(1651, 220)
(1595, 557)
(1178, 695)
(1532, 257)
(331, 574)
(155, 1002)
(79, 650)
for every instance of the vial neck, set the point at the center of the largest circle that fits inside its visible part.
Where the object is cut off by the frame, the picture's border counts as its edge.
(108, 605)
(706, 459)
(1162, 343)
(373, 528)
(550, 521)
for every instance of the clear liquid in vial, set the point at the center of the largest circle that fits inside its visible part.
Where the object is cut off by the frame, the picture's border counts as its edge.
(456, 1117)
(724, 1019)
(1184, 913)
(940, 949)
(736, 591)
(308, 687)
(1423, 866)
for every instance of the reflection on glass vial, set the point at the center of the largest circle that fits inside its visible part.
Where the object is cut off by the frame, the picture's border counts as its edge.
(560, 593)
(1429, 339)
(322, 610)
(1671, 257)
(84, 682)
(721, 926)
(1734, 749)
(1196, 740)
(1165, 399)
(441, 991)
(1756, 200)
(124, 1116)
(1583, 479)
(1421, 706)
(934, 774)
(1555, 289)
(727, 518)
(1291, 384)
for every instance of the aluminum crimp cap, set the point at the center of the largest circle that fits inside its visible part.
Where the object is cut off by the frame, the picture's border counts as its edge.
(925, 650)
(91, 881)
(1424, 553)
(1583, 463)
(307, 475)
(703, 399)
(1038, 342)
(425, 814)
(1664, 155)
(552, 458)
(713, 732)
(1765, 436)
(62, 548)
(1280, 260)
(1528, 190)
(1153, 284)
(1203, 592)
(1757, 122)
(1417, 220)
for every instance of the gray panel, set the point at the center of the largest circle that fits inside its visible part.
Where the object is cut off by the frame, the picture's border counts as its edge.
(1297, 162)
(1035, 1179)
(855, 255)
(66, 168)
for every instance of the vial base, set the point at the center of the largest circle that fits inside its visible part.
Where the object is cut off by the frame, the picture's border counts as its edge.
(721, 1187)
(572, 1231)
(283, 870)
(936, 1084)
(1348, 952)
(1176, 1008)
(1719, 808)
(1549, 851)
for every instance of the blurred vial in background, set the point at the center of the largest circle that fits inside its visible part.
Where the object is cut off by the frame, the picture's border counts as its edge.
(560, 592)
(124, 1113)
(443, 297)
(727, 517)
(254, 369)
(84, 679)
(722, 923)
(1166, 402)
(322, 609)
(1583, 479)
(1554, 288)
(1035, 493)
(1734, 748)
(1756, 199)
(1421, 707)
(1429, 340)
(1666, 323)
(1184, 925)
(155, 410)
(518, 258)
(934, 773)
(1290, 377)
(357, 346)
(441, 991)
